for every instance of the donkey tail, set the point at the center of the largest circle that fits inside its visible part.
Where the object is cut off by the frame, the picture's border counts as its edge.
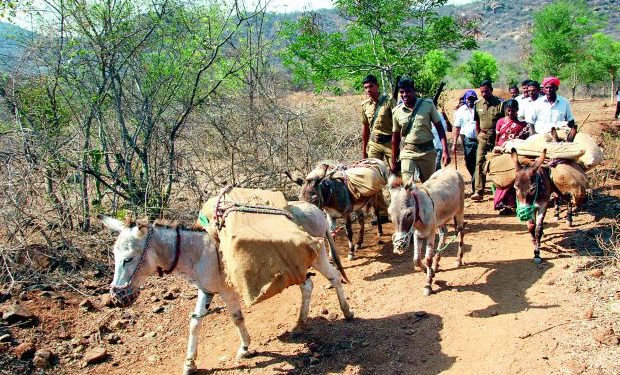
(335, 257)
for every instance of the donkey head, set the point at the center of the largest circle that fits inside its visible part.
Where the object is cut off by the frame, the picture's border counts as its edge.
(527, 177)
(316, 188)
(131, 259)
(402, 210)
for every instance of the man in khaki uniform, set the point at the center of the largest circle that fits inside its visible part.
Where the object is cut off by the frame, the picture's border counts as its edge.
(377, 131)
(487, 111)
(412, 121)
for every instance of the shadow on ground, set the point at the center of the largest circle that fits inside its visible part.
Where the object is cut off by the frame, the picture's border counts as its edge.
(408, 344)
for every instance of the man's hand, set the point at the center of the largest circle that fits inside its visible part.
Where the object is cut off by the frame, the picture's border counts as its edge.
(571, 134)
(445, 158)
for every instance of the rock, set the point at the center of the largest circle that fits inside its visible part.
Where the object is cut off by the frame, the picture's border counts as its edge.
(575, 367)
(45, 294)
(113, 338)
(151, 335)
(119, 324)
(17, 313)
(152, 359)
(25, 350)
(223, 358)
(597, 272)
(615, 307)
(6, 337)
(126, 315)
(589, 313)
(86, 305)
(23, 296)
(91, 284)
(314, 347)
(169, 296)
(154, 299)
(158, 309)
(95, 355)
(42, 358)
(607, 336)
(106, 300)
(324, 311)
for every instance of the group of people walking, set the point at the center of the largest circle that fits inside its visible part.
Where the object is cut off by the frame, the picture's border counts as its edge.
(409, 133)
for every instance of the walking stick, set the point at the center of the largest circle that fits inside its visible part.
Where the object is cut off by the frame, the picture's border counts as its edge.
(456, 164)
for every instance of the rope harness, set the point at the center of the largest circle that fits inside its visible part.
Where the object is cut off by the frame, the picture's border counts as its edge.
(525, 212)
(224, 207)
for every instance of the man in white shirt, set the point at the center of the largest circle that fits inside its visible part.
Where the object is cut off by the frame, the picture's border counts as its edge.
(528, 105)
(465, 126)
(553, 111)
(525, 93)
(437, 142)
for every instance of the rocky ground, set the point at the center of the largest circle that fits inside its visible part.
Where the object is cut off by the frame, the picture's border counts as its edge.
(497, 314)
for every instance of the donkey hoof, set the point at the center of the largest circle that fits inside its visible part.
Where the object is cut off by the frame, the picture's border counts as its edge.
(243, 353)
(189, 367)
(348, 316)
(537, 260)
(427, 291)
(351, 256)
(458, 263)
(569, 223)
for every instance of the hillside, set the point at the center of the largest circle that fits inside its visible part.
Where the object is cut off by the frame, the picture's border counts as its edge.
(11, 44)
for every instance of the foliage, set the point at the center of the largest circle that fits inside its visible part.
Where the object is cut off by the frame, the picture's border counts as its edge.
(558, 38)
(480, 66)
(385, 38)
(603, 55)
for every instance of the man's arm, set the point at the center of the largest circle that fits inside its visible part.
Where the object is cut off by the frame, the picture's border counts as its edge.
(365, 137)
(477, 120)
(445, 155)
(395, 167)
(571, 123)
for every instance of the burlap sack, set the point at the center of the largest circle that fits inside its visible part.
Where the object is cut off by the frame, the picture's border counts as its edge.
(570, 178)
(262, 254)
(500, 169)
(367, 180)
(534, 146)
(593, 155)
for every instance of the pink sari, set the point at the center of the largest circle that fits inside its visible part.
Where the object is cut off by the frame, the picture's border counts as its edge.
(507, 129)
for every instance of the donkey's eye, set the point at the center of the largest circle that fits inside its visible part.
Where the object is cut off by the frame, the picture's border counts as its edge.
(127, 260)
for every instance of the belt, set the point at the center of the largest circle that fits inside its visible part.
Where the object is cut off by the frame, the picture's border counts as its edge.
(487, 131)
(381, 138)
(474, 139)
(419, 147)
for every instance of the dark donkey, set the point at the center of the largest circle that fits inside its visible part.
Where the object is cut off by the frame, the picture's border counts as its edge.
(329, 191)
(533, 185)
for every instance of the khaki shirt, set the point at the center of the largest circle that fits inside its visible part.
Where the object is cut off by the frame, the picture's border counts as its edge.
(487, 113)
(422, 126)
(383, 122)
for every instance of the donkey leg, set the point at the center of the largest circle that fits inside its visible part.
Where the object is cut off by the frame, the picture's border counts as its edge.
(330, 273)
(202, 305)
(349, 229)
(556, 214)
(234, 306)
(569, 212)
(360, 238)
(430, 273)
(379, 221)
(306, 293)
(540, 219)
(460, 228)
(440, 244)
(418, 243)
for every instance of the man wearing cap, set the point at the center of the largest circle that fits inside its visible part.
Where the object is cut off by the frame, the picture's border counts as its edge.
(465, 126)
(488, 110)
(377, 130)
(553, 111)
(412, 122)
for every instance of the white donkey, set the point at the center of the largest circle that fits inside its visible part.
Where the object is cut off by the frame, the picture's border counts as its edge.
(418, 212)
(142, 249)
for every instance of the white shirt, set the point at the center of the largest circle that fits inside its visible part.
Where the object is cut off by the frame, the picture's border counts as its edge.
(546, 115)
(436, 141)
(526, 109)
(464, 119)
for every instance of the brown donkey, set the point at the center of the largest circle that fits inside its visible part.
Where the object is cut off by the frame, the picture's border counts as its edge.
(533, 185)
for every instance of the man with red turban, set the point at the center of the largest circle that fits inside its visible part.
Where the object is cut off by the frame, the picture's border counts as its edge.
(553, 111)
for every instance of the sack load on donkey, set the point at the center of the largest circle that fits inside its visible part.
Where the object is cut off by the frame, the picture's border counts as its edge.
(263, 250)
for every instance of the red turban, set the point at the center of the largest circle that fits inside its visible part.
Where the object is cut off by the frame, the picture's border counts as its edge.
(551, 80)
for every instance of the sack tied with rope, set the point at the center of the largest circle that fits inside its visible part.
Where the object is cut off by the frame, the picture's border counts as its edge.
(262, 250)
(364, 178)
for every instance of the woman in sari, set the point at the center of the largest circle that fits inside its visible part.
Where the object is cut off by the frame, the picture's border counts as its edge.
(507, 128)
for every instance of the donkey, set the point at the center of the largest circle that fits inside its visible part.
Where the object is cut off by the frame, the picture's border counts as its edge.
(334, 197)
(533, 185)
(418, 212)
(141, 249)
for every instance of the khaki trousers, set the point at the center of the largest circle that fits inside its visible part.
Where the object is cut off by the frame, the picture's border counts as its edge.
(422, 162)
(486, 142)
(381, 152)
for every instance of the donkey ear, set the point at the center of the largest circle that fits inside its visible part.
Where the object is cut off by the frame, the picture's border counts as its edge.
(299, 181)
(395, 181)
(515, 158)
(540, 159)
(114, 224)
(140, 230)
